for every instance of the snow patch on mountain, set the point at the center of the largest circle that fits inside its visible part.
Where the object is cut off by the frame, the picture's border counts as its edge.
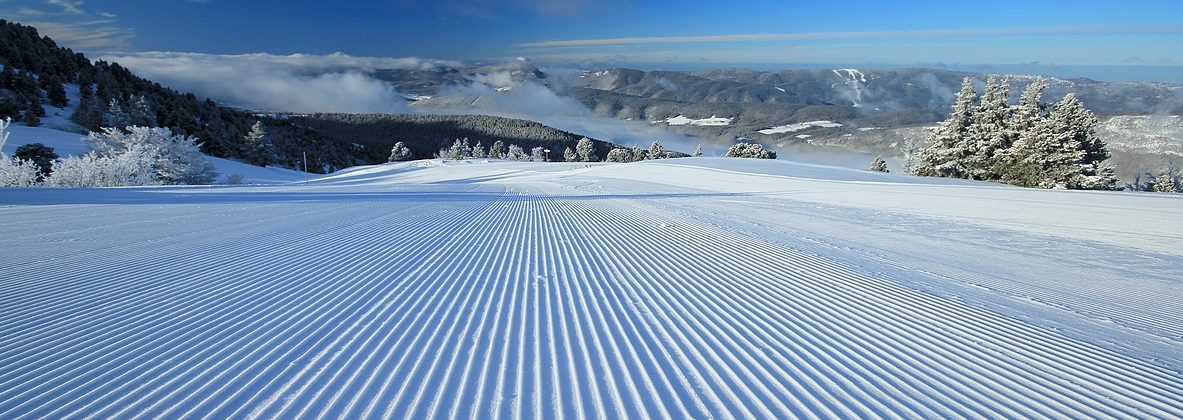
(789, 128)
(713, 121)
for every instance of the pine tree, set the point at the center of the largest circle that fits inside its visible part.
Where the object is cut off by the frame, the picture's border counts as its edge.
(619, 155)
(988, 132)
(570, 156)
(1165, 183)
(586, 150)
(879, 165)
(538, 154)
(656, 151)
(497, 150)
(638, 154)
(947, 144)
(116, 116)
(256, 147)
(400, 153)
(516, 153)
(698, 151)
(478, 151)
(40, 155)
(1092, 173)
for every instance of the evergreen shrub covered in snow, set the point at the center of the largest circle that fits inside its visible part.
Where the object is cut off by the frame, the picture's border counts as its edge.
(750, 150)
(1030, 144)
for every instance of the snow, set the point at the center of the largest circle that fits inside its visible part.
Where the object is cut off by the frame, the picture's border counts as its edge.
(699, 287)
(73, 144)
(789, 128)
(779, 88)
(713, 121)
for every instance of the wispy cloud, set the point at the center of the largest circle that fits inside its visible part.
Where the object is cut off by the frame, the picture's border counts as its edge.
(95, 35)
(71, 7)
(803, 36)
(296, 83)
(71, 24)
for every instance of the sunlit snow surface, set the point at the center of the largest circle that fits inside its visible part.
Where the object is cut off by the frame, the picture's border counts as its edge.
(705, 287)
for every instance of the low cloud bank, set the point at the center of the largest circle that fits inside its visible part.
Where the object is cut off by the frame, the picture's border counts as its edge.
(292, 83)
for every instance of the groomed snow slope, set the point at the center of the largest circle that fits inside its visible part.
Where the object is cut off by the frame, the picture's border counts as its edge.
(681, 288)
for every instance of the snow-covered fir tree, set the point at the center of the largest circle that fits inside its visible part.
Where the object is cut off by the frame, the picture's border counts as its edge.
(538, 154)
(400, 153)
(586, 150)
(1165, 183)
(516, 153)
(989, 131)
(698, 151)
(256, 146)
(948, 140)
(879, 165)
(638, 154)
(620, 155)
(497, 150)
(656, 151)
(458, 151)
(570, 156)
(478, 151)
(750, 150)
(1021, 144)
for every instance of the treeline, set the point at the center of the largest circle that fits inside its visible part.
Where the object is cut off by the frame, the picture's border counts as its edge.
(425, 135)
(36, 72)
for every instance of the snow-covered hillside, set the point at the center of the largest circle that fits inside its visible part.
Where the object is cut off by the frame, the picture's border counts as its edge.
(72, 144)
(705, 287)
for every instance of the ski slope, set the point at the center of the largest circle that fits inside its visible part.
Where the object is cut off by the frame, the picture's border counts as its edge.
(705, 287)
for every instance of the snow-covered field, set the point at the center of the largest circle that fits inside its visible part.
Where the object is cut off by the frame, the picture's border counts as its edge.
(706, 287)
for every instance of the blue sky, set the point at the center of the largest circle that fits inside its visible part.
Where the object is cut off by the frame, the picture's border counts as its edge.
(1081, 32)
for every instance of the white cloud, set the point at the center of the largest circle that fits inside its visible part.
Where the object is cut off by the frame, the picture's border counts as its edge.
(294, 83)
(71, 7)
(95, 35)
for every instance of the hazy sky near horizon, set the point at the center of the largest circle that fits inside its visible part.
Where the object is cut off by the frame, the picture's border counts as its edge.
(1081, 32)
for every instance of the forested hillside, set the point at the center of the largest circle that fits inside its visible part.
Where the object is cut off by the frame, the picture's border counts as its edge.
(427, 134)
(37, 72)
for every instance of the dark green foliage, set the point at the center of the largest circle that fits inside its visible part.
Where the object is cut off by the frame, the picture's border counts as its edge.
(41, 155)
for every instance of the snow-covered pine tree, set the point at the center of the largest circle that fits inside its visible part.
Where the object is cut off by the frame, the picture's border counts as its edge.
(400, 153)
(116, 116)
(989, 131)
(1094, 173)
(538, 154)
(1165, 183)
(569, 155)
(656, 151)
(256, 147)
(637, 155)
(620, 155)
(497, 150)
(879, 165)
(478, 151)
(1026, 118)
(750, 150)
(458, 151)
(698, 151)
(586, 150)
(947, 145)
(516, 153)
